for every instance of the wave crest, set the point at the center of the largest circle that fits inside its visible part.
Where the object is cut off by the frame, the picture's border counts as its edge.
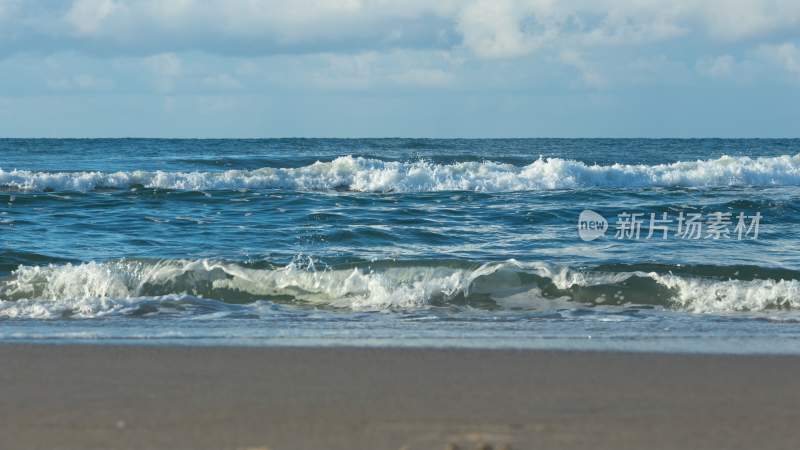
(96, 289)
(372, 175)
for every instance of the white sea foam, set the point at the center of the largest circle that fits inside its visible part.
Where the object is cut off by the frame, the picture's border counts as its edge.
(94, 289)
(695, 294)
(372, 175)
(716, 296)
(97, 289)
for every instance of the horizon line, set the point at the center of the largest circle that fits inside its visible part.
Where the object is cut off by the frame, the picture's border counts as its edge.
(397, 137)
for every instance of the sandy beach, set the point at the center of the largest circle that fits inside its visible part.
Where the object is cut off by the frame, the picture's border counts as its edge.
(133, 397)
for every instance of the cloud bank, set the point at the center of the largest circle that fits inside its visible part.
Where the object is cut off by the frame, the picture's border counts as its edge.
(486, 28)
(490, 51)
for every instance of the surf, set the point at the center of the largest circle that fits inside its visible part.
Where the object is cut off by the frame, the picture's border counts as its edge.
(362, 174)
(96, 289)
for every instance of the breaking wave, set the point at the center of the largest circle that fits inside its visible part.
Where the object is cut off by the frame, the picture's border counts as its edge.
(96, 289)
(373, 175)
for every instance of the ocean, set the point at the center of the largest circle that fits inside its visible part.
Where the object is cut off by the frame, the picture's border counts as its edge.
(590, 244)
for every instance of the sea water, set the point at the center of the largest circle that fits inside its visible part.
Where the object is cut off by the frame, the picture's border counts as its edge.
(403, 242)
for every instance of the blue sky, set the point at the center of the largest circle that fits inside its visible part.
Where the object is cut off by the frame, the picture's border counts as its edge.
(449, 68)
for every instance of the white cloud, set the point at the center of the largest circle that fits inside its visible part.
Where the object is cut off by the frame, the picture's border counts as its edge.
(173, 46)
(87, 16)
(255, 26)
(786, 55)
(346, 71)
(493, 28)
(373, 69)
(717, 67)
(509, 28)
(166, 65)
(591, 77)
(166, 68)
(488, 28)
(739, 19)
(5, 7)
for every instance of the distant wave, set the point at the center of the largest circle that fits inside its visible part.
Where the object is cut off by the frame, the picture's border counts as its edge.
(373, 175)
(97, 289)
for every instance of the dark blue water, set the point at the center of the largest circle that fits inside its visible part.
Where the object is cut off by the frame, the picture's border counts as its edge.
(401, 242)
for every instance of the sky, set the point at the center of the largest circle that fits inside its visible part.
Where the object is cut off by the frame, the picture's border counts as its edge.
(383, 68)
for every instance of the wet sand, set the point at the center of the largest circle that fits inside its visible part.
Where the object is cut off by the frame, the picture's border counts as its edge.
(139, 397)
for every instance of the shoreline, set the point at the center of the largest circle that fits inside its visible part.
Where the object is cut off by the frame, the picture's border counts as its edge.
(76, 396)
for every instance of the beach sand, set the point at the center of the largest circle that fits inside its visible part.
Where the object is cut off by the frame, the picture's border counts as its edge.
(137, 397)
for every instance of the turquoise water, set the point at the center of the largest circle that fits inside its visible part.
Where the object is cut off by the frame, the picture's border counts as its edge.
(407, 242)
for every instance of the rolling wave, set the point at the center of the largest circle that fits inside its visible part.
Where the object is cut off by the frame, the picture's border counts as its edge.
(373, 175)
(96, 289)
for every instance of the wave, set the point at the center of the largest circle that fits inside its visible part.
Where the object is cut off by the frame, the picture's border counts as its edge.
(96, 289)
(374, 175)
